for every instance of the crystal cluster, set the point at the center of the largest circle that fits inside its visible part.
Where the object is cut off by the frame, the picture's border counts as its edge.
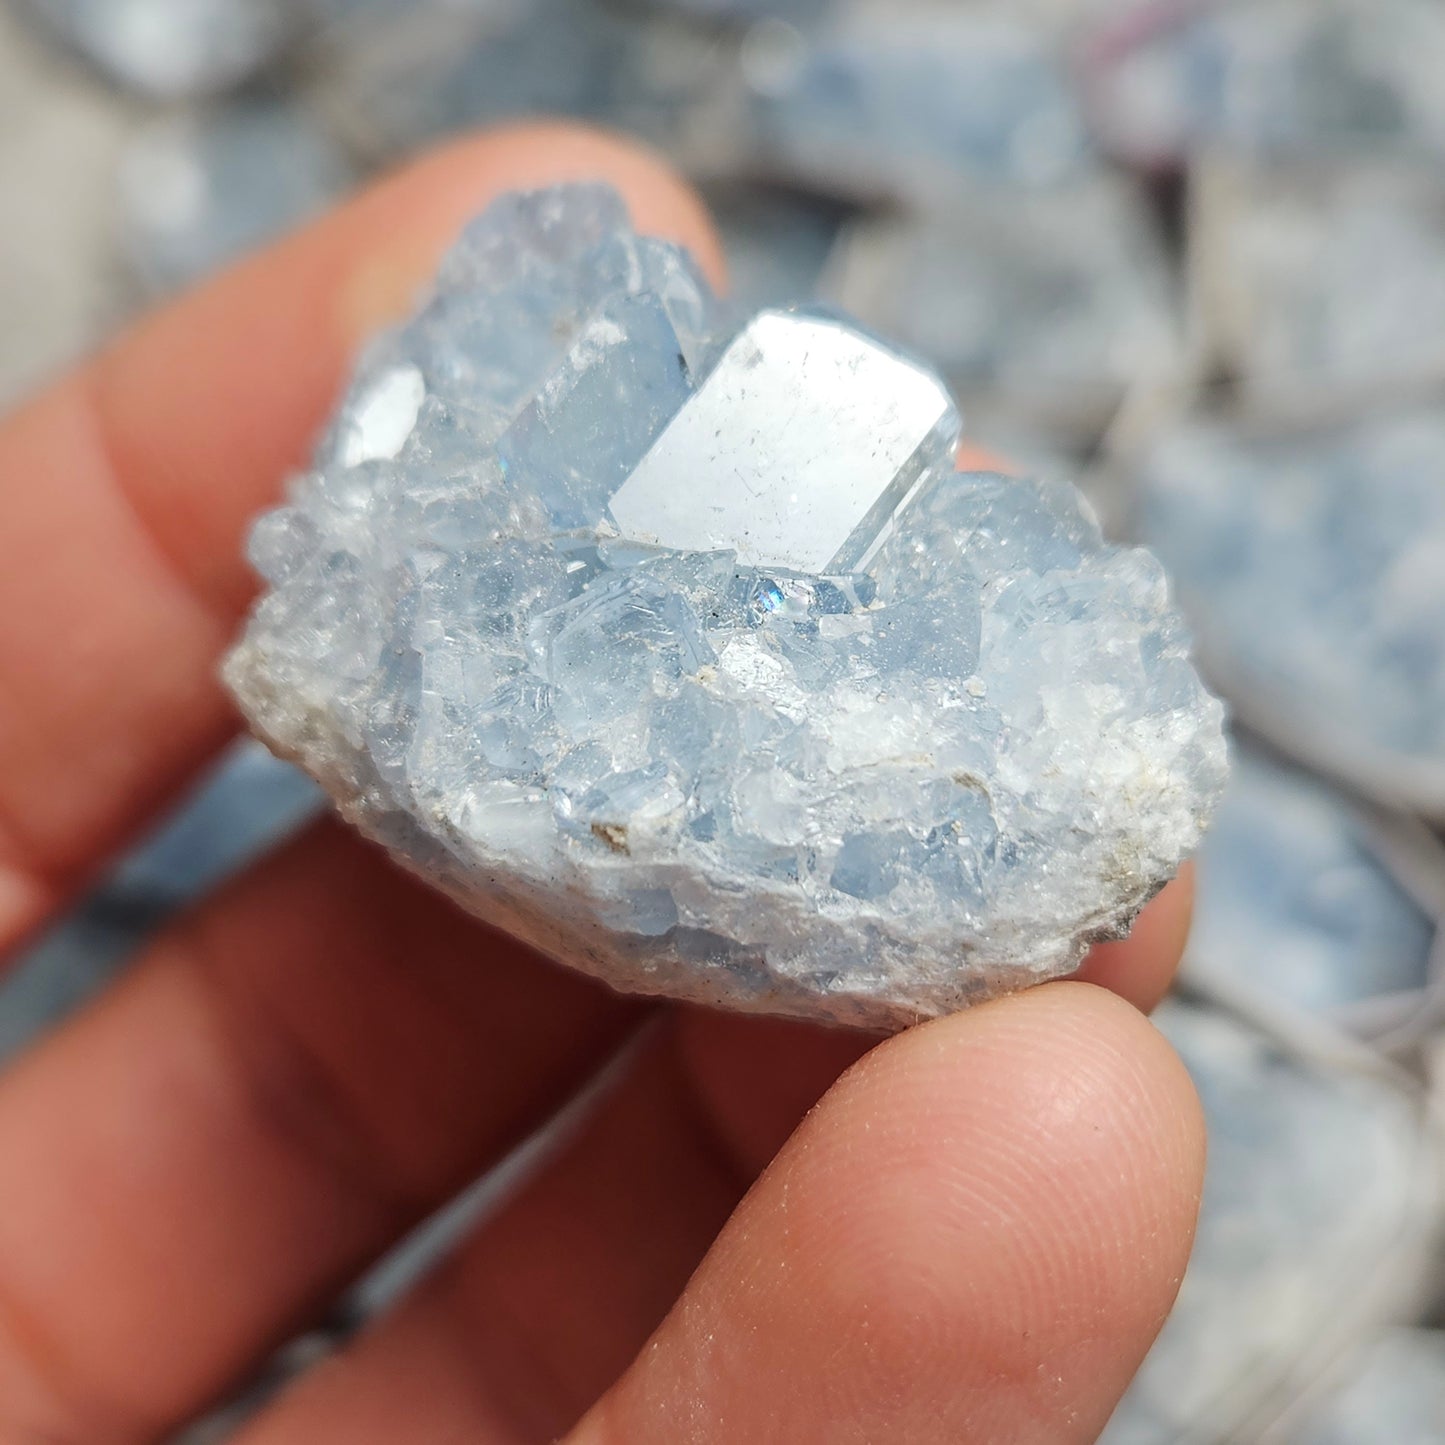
(677, 647)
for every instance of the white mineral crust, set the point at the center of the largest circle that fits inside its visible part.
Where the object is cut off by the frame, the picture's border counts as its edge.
(678, 648)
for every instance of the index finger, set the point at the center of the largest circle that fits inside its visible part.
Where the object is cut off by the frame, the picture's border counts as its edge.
(125, 491)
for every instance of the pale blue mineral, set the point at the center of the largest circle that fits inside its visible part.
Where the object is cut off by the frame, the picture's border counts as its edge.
(1314, 1228)
(171, 48)
(1314, 568)
(1276, 77)
(199, 190)
(1397, 1397)
(1295, 904)
(673, 643)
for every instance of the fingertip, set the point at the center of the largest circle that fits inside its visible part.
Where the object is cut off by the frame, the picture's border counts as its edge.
(1015, 1187)
(975, 1235)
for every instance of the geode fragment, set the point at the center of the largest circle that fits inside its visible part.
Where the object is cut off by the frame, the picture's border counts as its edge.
(677, 647)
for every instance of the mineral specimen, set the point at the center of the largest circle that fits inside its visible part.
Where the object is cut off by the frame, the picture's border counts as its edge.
(677, 647)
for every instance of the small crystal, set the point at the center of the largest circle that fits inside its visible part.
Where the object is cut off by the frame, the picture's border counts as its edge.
(678, 647)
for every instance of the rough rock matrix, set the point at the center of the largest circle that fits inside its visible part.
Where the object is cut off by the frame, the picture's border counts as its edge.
(674, 645)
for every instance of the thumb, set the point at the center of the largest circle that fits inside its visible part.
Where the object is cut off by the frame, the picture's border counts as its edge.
(974, 1237)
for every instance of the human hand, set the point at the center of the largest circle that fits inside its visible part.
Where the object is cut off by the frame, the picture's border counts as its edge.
(973, 1237)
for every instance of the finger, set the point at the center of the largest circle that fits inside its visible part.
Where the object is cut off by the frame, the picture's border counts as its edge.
(519, 1334)
(126, 488)
(753, 1079)
(284, 1086)
(975, 1237)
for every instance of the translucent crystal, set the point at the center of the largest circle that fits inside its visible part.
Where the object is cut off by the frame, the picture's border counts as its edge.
(759, 484)
(677, 646)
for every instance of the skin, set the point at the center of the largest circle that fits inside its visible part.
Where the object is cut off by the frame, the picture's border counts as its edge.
(764, 1232)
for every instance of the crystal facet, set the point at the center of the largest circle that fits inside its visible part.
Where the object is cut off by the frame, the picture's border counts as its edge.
(759, 484)
(678, 647)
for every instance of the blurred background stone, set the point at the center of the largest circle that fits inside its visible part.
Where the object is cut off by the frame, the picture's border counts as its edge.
(1396, 1398)
(1319, 1204)
(1297, 906)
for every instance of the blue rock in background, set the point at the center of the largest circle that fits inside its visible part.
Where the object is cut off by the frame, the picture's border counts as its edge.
(1294, 903)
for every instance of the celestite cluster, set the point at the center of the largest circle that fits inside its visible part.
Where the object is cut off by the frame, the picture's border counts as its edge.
(674, 645)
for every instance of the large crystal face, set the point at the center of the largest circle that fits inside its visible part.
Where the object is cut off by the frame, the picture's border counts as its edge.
(678, 647)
